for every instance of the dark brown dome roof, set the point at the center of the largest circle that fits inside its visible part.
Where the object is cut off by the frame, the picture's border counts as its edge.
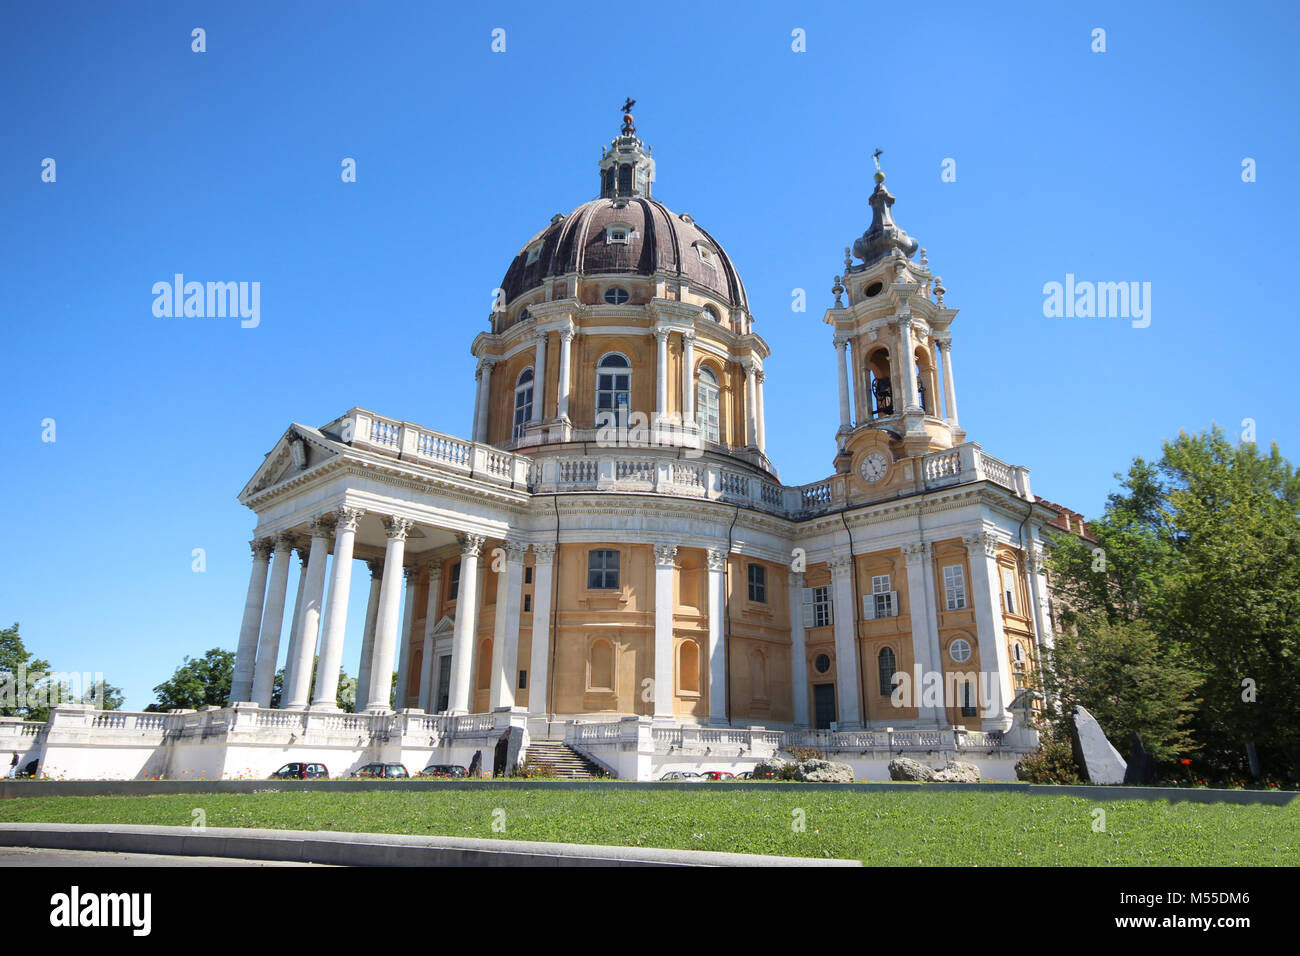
(660, 241)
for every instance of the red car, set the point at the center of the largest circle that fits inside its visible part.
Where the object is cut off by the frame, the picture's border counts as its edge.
(715, 775)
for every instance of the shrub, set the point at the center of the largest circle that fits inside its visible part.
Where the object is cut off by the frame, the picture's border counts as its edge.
(1053, 762)
(801, 754)
(531, 771)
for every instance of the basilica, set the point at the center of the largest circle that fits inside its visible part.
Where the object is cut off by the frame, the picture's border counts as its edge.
(609, 561)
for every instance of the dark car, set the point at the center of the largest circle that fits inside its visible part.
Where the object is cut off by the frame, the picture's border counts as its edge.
(301, 771)
(444, 770)
(389, 771)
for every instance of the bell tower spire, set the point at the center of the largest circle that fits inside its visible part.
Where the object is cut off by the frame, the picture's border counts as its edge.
(626, 168)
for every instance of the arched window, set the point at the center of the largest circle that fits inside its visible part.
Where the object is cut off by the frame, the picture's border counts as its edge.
(688, 667)
(600, 666)
(625, 180)
(711, 313)
(613, 390)
(523, 401)
(878, 386)
(888, 667)
(706, 405)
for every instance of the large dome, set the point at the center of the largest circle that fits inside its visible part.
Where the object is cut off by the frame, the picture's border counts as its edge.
(590, 241)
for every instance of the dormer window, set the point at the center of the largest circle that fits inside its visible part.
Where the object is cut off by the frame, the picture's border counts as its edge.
(534, 253)
(616, 296)
(706, 254)
(619, 232)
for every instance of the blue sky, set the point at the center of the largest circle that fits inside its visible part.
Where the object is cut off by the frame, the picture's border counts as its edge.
(1115, 166)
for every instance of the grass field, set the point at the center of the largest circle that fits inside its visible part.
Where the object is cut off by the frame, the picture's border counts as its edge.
(905, 829)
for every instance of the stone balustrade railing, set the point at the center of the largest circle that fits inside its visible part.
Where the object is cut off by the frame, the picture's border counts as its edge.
(966, 463)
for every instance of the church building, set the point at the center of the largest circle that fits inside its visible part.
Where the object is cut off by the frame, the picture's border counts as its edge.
(610, 561)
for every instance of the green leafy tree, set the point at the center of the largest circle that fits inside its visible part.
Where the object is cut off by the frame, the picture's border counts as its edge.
(1130, 681)
(27, 689)
(345, 697)
(197, 683)
(103, 693)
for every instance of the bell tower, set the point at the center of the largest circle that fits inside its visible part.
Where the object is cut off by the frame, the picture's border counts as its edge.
(897, 399)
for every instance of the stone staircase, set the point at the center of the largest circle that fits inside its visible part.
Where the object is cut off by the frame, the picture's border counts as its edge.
(568, 763)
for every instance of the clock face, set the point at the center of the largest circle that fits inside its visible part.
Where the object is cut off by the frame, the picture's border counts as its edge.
(874, 467)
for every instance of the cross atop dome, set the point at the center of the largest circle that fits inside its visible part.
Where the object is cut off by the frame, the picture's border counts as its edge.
(884, 236)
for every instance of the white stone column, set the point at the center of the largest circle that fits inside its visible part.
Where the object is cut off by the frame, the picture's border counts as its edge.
(430, 622)
(505, 633)
(562, 399)
(846, 640)
(1039, 594)
(386, 622)
(717, 563)
(539, 379)
(907, 364)
(688, 378)
(944, 345)
(302, 648)
(543, 565)
(368, 636)
(462, 643)
(483, 400)
(842, 346)
(986, 592)
(241, 683)
(291, 655)
(798, 651)
(661, 375)
(268, 641)
(751, 411)
(335, 623)
(404, 639)
(665, 692)
(759, 378)
(925, 628)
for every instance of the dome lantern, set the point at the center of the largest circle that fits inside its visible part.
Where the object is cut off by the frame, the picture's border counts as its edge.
(626, 169)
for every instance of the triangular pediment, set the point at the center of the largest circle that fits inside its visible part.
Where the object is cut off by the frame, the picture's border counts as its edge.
(298, 450)
(444, 625)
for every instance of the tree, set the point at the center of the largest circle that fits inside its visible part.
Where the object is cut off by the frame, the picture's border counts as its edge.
(1126, 678)
(1202, 548)
(197, 683)
(28, 688)
(345, 696)
(105, 695)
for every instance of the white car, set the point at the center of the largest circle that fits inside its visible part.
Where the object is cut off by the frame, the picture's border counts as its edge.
(682, 776)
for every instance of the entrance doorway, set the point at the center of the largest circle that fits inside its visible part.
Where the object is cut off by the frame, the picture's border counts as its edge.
(823, 706)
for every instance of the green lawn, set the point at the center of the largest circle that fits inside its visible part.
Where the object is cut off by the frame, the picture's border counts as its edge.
(939, 829)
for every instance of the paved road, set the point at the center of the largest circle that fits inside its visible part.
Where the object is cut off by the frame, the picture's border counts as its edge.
(22, 856)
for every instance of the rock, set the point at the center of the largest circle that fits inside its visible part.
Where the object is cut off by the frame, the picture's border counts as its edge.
(904, 768)
(1141, 765)
(958, 771)
(770, 768)
(824, 771)
(1099, 761)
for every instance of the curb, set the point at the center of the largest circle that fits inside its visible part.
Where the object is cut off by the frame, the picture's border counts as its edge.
(149, 788)
(366, 849)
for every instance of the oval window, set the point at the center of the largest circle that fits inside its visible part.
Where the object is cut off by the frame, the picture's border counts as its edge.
(616, 296)
(959, 650)
(822, 663)
(874, 289)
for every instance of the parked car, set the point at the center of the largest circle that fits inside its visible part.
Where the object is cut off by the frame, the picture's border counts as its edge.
(745, 775)
(682, 776)
(716, 775)
(389, 771)
(301, 771)
(443, 770)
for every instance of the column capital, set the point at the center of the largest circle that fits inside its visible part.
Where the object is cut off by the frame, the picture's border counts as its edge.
(540, 335)
(322, 526)
(943, 342)
(841, 567)
(841, 342)
(544, 553)
(261, 548)
(347, 518)
(716, 558)
(397, 527)
(411, 573)
(751, 366)
(567, 333)
(665, 555)
(283, 542)
(796, 579)
(688, 336)
(515, 551)
(661, 333)
(303, 553)
(471, 545)
(376, 566)
(760, 376)
(986, 541)
(435, 569)
(1036, 560)
(916, 554)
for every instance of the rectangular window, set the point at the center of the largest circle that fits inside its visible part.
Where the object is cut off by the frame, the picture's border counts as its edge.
(758, 583)
(523, 680)
(528, 575)
(881, 602)
(954, 587)
(816, 606)
(528, 603)
(967, 701)
(453, 584)
(1009, 590)
(602, 570)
